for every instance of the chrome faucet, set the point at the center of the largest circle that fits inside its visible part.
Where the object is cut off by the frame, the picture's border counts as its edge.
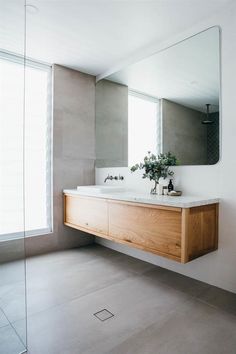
(108, 178)
(116, 178)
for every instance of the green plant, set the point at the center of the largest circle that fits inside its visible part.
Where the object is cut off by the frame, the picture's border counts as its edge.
(156, 167)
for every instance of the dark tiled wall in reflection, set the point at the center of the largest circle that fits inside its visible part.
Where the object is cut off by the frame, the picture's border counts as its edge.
(213, 139)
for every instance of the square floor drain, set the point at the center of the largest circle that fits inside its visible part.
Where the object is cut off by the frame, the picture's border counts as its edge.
(103, 315)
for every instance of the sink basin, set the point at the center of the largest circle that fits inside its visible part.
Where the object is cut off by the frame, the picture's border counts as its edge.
(100, 189)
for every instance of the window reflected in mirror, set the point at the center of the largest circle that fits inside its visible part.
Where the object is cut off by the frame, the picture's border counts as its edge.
(166, 102)
(143, 127)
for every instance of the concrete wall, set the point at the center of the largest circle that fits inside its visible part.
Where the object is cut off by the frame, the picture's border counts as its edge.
(111, 124)
(183, 133)
(217, 268)
(73, 153)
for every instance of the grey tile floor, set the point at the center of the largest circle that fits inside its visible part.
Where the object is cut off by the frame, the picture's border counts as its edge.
(155, 311)
(12, 296)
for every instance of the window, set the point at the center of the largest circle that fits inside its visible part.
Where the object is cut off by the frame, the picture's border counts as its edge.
(25, 148)
(143, 127)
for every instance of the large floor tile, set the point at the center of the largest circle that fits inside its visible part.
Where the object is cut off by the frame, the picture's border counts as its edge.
(3, 319)
(13, 300)
(177, 281)
(57, 261)
(12, 272)
(62, 261)
(194, 328)
(72, 328)
(155, 310)
(67, 276)
(10, 342)
(20, 328)
(219, 298)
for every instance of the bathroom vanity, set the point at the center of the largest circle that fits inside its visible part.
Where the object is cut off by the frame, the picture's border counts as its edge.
(179, 228)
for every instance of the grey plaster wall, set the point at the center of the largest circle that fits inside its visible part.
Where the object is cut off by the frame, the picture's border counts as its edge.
(183, 133)
(111, 124)
(73, 153)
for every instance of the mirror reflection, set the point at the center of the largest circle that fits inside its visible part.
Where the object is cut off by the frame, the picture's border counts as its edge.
(166, 102)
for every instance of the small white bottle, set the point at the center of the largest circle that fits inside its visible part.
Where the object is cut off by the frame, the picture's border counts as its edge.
(165, 190)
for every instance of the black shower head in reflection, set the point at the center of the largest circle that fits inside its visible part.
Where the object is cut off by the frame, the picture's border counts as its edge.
(207, 120)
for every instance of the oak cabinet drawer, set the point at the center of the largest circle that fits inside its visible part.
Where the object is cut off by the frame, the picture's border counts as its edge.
(87, 213)
(153, 229)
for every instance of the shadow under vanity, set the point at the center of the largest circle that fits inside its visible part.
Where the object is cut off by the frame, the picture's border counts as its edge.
(168, 102)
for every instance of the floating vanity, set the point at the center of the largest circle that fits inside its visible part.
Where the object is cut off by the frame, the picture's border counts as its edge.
(179, 228)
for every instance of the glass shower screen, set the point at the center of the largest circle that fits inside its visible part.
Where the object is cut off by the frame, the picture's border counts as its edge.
(12, 184)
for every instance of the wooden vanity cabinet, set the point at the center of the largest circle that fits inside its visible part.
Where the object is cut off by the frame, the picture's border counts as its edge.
(181, 234)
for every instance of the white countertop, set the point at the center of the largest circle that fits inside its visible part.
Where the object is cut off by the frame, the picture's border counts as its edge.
(180, 202)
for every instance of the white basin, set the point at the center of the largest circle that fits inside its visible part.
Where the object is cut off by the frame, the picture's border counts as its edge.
(100, 189)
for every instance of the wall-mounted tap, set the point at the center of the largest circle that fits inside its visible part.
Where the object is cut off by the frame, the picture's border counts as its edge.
(116, 178)
(108, 178)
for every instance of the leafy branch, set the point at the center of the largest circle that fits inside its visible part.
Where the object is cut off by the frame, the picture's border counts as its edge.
(156, 167)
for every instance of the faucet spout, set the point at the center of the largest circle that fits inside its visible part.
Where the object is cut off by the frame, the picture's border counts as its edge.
(108, 178)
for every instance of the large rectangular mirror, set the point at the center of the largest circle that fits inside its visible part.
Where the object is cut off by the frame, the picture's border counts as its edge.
(166, 102)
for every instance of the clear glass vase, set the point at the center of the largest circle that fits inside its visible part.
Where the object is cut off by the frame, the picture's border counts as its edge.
(154, 189)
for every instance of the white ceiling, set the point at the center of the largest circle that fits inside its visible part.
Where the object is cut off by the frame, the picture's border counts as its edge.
(95, 35)
(186, 73)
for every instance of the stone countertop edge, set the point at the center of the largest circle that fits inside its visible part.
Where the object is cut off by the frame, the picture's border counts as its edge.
(179, 202)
